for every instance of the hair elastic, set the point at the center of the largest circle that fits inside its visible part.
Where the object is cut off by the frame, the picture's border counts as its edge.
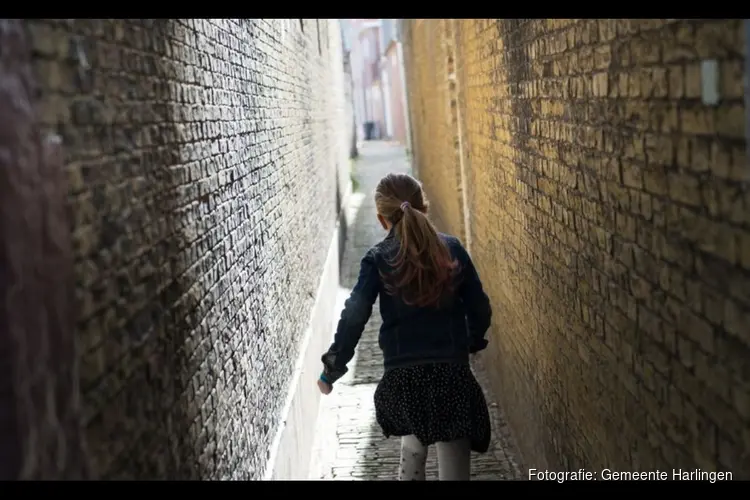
(404, 206)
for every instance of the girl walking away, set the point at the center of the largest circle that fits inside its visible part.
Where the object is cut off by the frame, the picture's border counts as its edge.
(435, 314)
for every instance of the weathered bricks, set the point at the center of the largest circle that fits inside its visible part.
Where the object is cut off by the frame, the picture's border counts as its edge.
(202, 161)
(608, 216)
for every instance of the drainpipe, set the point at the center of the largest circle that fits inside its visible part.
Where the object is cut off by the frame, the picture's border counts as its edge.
(453, 77)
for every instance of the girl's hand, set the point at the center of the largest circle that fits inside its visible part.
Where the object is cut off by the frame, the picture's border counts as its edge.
(324, 387)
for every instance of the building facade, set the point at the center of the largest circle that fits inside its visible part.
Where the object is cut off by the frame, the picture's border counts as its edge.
(377, 78)
(393, 81)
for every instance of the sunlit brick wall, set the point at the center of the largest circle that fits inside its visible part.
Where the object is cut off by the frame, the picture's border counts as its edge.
(609, 219)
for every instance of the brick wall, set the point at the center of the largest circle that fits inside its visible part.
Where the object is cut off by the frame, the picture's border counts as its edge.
(431, 61)
(202, 160)
(608, 211)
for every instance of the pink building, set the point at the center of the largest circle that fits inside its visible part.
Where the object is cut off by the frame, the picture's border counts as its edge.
(378, 78)
(393, 82)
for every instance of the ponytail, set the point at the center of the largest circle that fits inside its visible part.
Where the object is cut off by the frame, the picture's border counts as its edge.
(422, 269)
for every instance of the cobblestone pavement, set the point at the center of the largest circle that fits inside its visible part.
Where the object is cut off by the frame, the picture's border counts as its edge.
(349, 443)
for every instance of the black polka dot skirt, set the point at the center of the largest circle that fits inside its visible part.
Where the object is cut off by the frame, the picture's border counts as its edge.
(434, 402)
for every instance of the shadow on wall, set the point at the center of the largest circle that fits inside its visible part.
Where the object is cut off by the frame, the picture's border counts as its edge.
(40, 435)
(166, 413)
(148, 430)
(513, 33)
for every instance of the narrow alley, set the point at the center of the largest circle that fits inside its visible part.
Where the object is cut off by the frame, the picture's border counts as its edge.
(349, 443)
(184, 204)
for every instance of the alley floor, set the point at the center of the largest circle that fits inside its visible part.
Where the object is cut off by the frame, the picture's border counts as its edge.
(349, 444)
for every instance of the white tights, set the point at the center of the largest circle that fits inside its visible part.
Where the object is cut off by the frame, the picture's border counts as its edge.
(454, 460)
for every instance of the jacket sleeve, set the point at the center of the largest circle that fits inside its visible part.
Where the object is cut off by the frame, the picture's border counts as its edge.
(477, 305)
(354, 317)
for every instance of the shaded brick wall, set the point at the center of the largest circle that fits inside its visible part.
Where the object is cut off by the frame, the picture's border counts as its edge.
(40, 411)
(202, 160)
(609, 220)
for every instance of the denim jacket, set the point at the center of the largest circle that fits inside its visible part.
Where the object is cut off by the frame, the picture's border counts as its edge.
(412, 335)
